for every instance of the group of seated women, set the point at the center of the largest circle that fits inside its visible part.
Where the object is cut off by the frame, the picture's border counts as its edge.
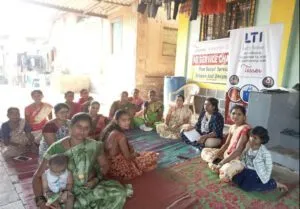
(78, 156)
(241, 156)
(87, 138)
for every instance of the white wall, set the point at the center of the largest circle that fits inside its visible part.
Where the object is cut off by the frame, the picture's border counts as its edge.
(84, 48)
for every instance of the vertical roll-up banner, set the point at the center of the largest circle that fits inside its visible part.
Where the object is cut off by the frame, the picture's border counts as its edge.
(253, 63)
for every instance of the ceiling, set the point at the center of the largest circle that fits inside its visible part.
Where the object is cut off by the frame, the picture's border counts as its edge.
(97, 8)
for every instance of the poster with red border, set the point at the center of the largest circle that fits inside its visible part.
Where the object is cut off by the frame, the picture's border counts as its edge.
(208, 61)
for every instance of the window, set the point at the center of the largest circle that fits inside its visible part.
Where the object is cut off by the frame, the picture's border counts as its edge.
(239, 14)
(116, 34)
(169, 41)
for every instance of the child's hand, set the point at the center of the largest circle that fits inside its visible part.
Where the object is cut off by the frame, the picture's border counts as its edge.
(91, 183)
(55, 206)
(215, 168)
(64, 196)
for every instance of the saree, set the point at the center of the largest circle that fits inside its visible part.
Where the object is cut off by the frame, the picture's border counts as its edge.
(74, 108)
(129, 169)
(129, 107)
(61, 132)
(107, 194)
(97, 126)
(138, 102)
(17, 136)
(228, 170)
(37, 118)
(177, 117)
(153, 110)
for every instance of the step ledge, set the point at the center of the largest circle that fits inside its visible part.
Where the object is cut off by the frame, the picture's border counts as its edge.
(294, 154)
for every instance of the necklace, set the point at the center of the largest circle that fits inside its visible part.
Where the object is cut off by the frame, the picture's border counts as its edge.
(80, 175)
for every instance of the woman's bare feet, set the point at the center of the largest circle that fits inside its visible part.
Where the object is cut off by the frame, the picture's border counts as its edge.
(282, 187)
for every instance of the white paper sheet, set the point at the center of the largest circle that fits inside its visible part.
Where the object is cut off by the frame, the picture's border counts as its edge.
(192, 135)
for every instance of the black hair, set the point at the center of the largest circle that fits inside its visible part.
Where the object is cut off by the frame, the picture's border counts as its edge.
(60, 106)
(214, 102)
(69, 92)
(58, 159)
(11, 109)
(181, 96)
(95, 102)
(135, 89)
(261, 132)
(81, 116)
(113, 125)
(124, 92)
(37, 91)
(239, 107)
(83, 90)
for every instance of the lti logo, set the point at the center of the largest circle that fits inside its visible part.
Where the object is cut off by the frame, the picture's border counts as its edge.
(255, 36)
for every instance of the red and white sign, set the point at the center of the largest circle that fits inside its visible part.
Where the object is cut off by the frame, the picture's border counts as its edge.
(208, 61)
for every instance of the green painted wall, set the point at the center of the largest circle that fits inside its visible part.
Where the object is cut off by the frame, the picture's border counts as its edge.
(291, 76)
(262, 17)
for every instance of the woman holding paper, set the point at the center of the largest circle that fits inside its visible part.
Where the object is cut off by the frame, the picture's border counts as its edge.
(208, 131)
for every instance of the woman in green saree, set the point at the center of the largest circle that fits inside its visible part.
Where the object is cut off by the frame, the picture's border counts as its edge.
(151, 114)
(88, 165)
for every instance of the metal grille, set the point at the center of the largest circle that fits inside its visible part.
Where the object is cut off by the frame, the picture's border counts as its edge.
(239, 14)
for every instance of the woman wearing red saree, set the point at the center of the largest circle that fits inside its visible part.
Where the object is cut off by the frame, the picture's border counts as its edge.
(125, 163)
(37, 114)
(74, 107)
(136, 99)
(98, 121)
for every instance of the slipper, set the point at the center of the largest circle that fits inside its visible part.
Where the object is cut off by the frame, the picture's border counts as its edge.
(145, 128)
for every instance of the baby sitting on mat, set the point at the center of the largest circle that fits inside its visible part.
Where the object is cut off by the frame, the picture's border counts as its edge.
(58, 183)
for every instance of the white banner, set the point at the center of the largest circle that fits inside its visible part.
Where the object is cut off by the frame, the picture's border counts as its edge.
(253, 62)
(208, 61)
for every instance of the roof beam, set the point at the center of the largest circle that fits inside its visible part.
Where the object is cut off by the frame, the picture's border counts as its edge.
(94, 6)
(117, 3)
(49, 5)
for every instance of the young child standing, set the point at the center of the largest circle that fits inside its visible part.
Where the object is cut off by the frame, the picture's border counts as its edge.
(58, 183)
(257, 161)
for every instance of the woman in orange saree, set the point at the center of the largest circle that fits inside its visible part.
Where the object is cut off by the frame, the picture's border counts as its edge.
(37, 114)
(125, 162)
(223, 160)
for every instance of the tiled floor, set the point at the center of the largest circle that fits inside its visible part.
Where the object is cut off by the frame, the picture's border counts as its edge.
(15, 184)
